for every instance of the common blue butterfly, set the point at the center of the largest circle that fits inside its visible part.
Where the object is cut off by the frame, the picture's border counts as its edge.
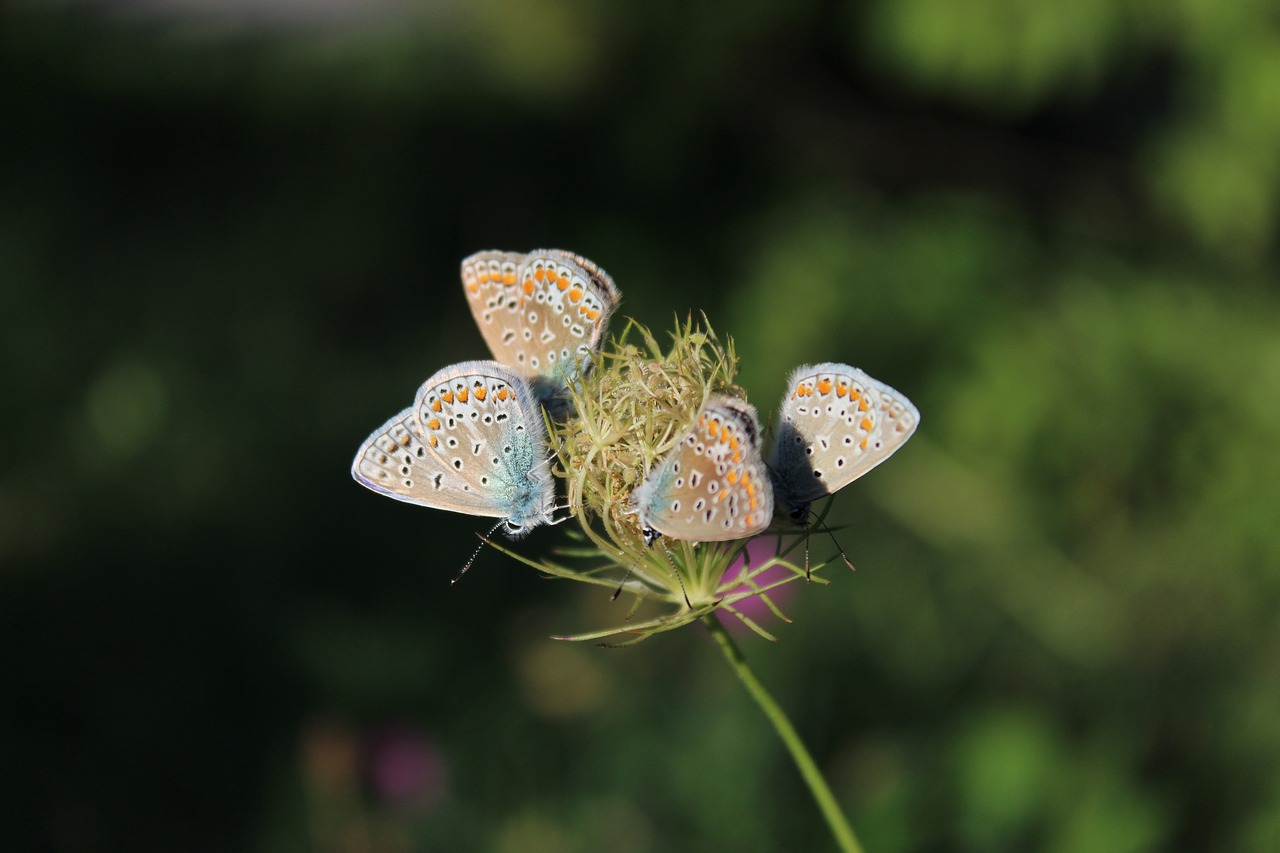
(835, 424)
(473, 442)
(712, 485)
(542, 314)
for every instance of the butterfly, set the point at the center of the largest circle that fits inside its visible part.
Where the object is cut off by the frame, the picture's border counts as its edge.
(542, 314)
(835, 424)
(712, 486)
(473, 442)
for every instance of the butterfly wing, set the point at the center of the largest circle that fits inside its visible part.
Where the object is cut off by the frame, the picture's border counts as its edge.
(835, 424)
(713, 485)
(474, 442)
(542, 314)
(482, 422)
(396, 462)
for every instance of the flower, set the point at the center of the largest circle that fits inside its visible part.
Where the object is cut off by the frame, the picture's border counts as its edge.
(758, 606)
(404, 768)
(630, 410)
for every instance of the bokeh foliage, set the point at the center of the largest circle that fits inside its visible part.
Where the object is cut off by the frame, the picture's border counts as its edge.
(228, 249)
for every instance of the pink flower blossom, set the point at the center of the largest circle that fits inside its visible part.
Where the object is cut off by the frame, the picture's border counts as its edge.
(758, 551)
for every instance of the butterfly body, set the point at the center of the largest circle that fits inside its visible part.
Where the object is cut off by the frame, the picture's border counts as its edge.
(473, 442)
(542, 314)
(712, 485)
(835, 424)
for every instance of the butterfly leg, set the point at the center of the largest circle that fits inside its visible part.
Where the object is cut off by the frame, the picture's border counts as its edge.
(821, 522)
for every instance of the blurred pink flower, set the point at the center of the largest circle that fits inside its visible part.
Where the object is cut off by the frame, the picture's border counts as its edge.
(405, 768)
(759, 551)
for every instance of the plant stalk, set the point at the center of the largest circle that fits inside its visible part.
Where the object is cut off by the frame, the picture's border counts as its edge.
(840, 827)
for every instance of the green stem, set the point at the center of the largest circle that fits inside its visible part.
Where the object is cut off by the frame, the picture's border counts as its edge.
(840, 827)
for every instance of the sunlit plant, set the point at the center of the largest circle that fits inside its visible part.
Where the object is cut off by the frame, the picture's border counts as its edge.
(628, 413)
(661, 457)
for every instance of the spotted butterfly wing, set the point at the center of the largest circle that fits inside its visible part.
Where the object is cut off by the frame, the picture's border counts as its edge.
(835, 424)
(542, 314)
(712, 486)
(473, 442)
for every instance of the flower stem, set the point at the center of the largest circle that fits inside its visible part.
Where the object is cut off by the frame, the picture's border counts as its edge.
(840, 827)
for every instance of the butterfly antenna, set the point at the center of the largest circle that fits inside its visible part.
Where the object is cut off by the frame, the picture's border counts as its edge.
(484, 540)
(834, 541)
(675, 571)
(617, 592)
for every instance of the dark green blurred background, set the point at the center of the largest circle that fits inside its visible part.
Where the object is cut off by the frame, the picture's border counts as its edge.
(229, 244)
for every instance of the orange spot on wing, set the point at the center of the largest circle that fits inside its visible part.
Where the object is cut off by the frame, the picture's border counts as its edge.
(447, 396)
(824, 386)
(863, 443)
(732, 477)
(575, 295)
(540, 274)
(863, 405)
(509, 277)
(503, 393)
(842, 388)
(528, 288)
(462, 395)
(591, 314)
(562, 282)
(433, 424)
(404, 439)
(867, 424)
(474, 287)
(733, 442)
(481, 393)
(434, 442)
(435, 406)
